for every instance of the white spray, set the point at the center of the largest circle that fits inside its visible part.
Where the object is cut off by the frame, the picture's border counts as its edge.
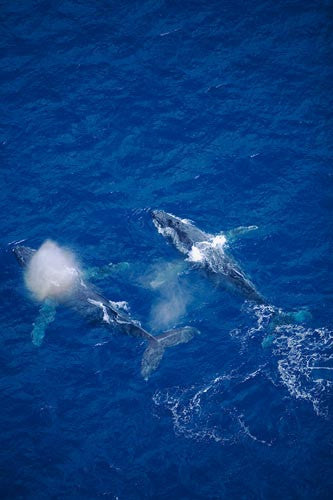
(52, 272)
(172, 296)
(170, 307)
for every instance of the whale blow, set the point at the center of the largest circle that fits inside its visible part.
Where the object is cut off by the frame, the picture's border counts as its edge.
(51, 272)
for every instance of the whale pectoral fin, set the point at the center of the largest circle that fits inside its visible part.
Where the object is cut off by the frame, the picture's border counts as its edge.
(238, 231)
(106, 271)
(45, 317)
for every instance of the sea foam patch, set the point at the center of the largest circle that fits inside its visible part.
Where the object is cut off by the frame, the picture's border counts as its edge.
(218, 410)
(52, 272)
(201, 251)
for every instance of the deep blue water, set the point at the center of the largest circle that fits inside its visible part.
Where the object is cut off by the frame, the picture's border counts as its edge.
(217, 111)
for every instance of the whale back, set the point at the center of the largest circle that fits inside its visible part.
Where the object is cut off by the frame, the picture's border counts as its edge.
(23, 254)
(182, 233)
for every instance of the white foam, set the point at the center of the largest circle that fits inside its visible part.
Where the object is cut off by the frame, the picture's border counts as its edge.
(201, 252)
(121, 305)
(106, 317)
(195, 254)
(301, 351)
(247, 431)
(204, 413)
(218, 241)
(52, 272)
(303, 356)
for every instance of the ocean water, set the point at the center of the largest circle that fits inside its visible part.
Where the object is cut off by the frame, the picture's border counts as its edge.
(217, 111)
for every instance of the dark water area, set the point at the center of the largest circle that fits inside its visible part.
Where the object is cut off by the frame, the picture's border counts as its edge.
(219, 112)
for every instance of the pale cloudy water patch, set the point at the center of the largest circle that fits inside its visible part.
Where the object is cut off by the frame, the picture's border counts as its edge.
(171, 294)
(52, 272)
(169, 308)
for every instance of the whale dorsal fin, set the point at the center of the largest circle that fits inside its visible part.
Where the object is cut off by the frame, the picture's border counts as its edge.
(46, 315)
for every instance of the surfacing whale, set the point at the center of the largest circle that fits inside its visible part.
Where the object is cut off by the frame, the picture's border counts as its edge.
(208, 252)
(211, 253)
(88, 302)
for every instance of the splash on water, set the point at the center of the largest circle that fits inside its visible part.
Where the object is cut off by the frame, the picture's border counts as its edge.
(201, 251)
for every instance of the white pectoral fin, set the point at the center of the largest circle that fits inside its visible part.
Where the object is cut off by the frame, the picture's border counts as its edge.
(45, 317)
(239, 231)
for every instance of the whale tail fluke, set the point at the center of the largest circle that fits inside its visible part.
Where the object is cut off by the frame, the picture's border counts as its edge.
(280, 318)
(157, 345)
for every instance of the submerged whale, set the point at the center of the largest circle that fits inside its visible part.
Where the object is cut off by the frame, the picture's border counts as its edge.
(88, 302)
(208, 252)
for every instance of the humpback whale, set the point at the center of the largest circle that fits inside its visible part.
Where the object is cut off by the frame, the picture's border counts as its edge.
(82, 297)
(208, 252)
(211, 253)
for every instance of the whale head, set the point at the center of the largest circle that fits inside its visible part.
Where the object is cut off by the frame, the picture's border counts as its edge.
(23, 254)
(181, 232)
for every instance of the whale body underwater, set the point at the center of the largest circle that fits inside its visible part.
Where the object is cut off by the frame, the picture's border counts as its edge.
(89, 303)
